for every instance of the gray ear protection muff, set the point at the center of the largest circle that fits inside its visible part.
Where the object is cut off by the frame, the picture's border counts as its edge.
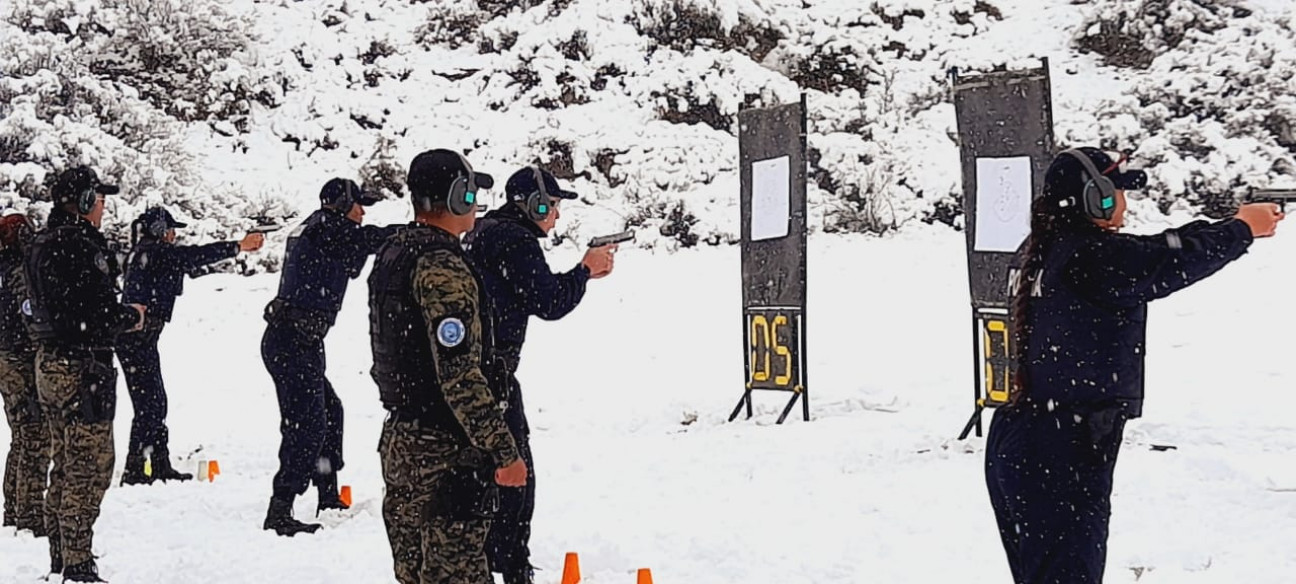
(86, 200)
(538, 203)
(462, 196)
(158, 227)
(1099, 196)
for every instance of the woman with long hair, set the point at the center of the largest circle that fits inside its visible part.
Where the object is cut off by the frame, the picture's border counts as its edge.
(1079, 315)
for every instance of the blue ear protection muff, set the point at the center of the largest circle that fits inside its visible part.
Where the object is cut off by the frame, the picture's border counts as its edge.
(1099, 196)
(538, 203)
(86, 200)
(462, 196)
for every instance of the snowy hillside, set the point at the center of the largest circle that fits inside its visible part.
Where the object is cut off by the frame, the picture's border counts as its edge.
(233, 109)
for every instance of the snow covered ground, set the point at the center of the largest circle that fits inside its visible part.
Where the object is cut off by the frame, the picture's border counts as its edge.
(873, 489)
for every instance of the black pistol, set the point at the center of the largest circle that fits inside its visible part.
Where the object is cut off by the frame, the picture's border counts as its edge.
(1279, 196)
(265, 229)
(601, 241)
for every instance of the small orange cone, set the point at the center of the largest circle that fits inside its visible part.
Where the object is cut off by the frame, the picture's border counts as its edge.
(645, 576)
(571, 569)
(213, 469)
(345, 495)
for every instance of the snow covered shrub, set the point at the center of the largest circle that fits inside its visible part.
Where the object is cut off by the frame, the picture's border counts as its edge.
(682, 25)
(1131, 33)
(1215, 115)
(382, 172)
(59, 109)
(189, 58)
(451, 23)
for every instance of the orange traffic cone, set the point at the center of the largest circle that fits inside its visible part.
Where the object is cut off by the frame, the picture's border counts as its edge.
(213, 469)
(571, 569)
(345, 495)
(645, 576)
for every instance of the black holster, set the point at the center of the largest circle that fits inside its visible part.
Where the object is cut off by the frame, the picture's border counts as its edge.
(466, 493)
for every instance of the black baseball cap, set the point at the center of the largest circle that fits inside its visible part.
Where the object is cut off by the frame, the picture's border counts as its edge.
(523, 183)
(1066, 176)
(432, 172)
(154, 214)
(72, 182)
(341, 193)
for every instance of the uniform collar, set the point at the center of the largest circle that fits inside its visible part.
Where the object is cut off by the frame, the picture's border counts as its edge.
(514, 214)
(61, 218)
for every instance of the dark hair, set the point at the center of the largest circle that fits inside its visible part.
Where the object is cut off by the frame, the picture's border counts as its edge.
(1050, 223)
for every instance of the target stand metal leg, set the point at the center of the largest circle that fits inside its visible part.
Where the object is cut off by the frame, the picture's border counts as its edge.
(745, 400)
(975, 420)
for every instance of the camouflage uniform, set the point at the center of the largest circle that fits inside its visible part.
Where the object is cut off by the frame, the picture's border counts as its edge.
(445, 435)
(28, 459)
(71, 277)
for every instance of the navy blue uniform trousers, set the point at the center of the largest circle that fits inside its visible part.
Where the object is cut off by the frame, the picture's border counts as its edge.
(508, 542)
(138, 353)
(1049, 474)
(310, 427)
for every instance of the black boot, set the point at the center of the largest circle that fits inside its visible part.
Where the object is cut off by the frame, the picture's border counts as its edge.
(279, 519)
(327, 488)
(85, 571)
(163, 471)
(133, 474)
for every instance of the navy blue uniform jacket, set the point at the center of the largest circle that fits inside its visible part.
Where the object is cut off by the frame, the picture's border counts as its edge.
(323, 254)
(155, 272)
(1087, 344)
(505, 248)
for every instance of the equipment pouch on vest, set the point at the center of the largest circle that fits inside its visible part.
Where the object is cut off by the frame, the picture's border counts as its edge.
(466, 493)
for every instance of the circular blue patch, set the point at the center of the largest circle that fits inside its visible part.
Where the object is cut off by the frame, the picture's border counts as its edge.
(450, 332)
(26, 306)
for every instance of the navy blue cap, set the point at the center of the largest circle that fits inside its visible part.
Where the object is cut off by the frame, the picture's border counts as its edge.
(342, 193)
(1066, 176)
(159, 215)
(431, 174)
(522, 184)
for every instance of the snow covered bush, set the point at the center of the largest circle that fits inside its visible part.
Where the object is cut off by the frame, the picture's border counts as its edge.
(88, 83)
(1132, 33)
(1214, 116)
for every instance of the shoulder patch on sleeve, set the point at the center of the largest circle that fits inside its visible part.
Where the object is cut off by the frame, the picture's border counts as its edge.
(450, 332)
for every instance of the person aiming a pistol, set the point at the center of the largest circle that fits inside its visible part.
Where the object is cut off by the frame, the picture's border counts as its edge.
(505, 248)
(155, 271)
(1080, 320)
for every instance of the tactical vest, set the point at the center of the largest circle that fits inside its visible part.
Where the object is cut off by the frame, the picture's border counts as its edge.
(402, 353)
(68, 327)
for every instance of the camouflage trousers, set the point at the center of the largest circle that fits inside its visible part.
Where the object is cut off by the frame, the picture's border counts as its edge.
(429, 545)
(78, 392)
(27, 464)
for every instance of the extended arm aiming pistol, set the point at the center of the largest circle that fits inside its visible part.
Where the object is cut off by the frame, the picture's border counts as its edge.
(624, 236)
(1280, 196)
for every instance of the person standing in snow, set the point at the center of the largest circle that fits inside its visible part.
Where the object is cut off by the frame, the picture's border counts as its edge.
(505, 250)
(444, 445)
(75, 318)
(28, 459)
(155, 272)
(327, 250)
(1080, 323)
